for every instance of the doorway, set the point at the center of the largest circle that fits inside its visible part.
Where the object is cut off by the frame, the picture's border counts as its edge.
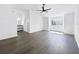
(20, 20)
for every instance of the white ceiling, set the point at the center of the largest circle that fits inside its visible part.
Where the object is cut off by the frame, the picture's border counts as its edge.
(56, 8)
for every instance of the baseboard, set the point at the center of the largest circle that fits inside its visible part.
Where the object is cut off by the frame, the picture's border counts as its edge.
(57, 31)
(12, 37)
(35, 31)
(68, 33)
(63, 32)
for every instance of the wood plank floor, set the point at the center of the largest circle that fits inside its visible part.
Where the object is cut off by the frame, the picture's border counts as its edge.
(42, 42)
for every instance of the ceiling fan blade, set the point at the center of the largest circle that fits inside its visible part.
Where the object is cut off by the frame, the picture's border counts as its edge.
(48, 9)
(43, 9)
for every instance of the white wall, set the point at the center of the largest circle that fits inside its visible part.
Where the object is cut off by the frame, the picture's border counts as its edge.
(69, 23)
(45, 22)
(77, 24)
(27, 21)
(8, 22)
(35, 21)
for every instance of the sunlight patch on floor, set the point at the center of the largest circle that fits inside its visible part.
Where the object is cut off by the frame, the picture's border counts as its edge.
(56, 32)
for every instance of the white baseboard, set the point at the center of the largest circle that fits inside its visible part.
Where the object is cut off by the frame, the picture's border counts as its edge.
(7, 37)
(35, 31)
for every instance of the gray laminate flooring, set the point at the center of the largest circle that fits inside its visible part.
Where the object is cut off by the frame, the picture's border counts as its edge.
(42, 42)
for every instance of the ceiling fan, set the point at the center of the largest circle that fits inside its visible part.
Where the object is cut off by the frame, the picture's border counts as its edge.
(43, 9)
